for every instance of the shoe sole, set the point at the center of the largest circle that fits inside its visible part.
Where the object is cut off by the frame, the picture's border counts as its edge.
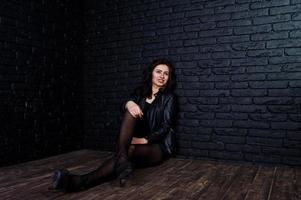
(55, 179)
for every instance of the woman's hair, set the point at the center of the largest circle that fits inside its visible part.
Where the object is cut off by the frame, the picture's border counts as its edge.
(145, 89)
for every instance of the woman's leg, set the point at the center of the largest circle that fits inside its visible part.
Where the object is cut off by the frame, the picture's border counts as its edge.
(107, 170)
(145, 155)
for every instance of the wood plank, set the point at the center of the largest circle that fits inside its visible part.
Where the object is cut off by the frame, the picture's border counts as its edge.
(260, 186)
(174, 179)
(283, 185)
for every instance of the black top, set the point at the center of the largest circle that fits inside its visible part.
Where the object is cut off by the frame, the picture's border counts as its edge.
(157, 120)
(142, 127)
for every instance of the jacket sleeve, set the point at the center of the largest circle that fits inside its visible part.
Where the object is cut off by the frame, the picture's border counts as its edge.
(133, 97)
(166, 125)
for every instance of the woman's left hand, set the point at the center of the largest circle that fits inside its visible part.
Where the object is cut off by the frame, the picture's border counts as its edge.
(136, 140)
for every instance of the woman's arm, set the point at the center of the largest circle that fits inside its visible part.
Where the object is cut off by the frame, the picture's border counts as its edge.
(134, 109)
(166, 125)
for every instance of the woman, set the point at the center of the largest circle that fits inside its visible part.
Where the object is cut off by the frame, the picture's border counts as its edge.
(146, 136)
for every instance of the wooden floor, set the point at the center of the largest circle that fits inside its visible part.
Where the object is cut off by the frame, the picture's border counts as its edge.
(174, 179)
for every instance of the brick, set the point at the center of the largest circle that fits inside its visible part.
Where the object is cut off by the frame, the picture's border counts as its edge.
(198, 85)
(283, 26)
(295, 84)
(290, 160)
(268, 84)
(203, 100)
(216, 78)
(233, 39)
(293, 51)
(290, 92)
(232, 116)
(295, 34)
(207, 145)
(250, 124)
(272, 19)
(284, 76)
(216, 123)
(236, 100)
(291, 67)
(232, 8)
(268, 4)
(216, 32)
(248, 77)
(266, 68)
(294, 135)
(234, 147)
(199, 13)
(286, 125)
(230, 131)
(229, 139)
(295, 117)
(250, 13)
(267, 133)
(273, 100)
(268, 117)
(194, 57)
(282, 151)
(269, 36)
(264, 141)
(226, 155)
(285, 59)
(216, 17)
(265, 53)
(234, 23)
(199, 27)
(219, 3)
(229, 85)
(248, 46)
(199, 42)
(248, 108)
(283, 109)
(285, 9)
(249, 61)
(263, 158)
(251, 149)
(214, 93)
(252, 29)
(214, 108)
(296, 16)
(198, 115)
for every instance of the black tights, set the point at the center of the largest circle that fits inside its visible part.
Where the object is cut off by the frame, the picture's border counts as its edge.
(142, 155)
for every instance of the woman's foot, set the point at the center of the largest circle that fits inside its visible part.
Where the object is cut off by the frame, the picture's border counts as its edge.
(126, 173)
(62, 179)
(123, 169)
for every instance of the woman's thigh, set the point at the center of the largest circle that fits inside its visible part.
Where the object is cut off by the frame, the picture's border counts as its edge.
(146, 154)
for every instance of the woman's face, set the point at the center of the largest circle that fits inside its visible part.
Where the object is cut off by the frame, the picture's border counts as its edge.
(160, 75)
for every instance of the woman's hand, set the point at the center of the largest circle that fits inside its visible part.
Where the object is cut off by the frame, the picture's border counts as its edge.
(136, 140)
(134, 109)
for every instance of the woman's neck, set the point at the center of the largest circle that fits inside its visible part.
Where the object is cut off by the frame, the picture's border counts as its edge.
(155, 89)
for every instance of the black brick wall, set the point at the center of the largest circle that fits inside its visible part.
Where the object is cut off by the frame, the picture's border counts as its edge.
(40, 78)
(238, 68)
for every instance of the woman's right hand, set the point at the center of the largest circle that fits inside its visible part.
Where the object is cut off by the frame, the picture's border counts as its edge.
(134, 109)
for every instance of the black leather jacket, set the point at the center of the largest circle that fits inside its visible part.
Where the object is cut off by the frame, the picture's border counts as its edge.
(161, 116)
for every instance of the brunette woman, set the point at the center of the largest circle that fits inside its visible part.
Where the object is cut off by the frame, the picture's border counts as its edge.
(146, 136)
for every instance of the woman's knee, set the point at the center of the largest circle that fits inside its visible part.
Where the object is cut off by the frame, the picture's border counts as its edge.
(131, 150)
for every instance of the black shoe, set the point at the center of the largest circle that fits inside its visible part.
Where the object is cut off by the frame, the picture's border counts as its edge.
(60, 179)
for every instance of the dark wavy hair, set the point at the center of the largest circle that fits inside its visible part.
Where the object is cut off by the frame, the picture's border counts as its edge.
(145, 89)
